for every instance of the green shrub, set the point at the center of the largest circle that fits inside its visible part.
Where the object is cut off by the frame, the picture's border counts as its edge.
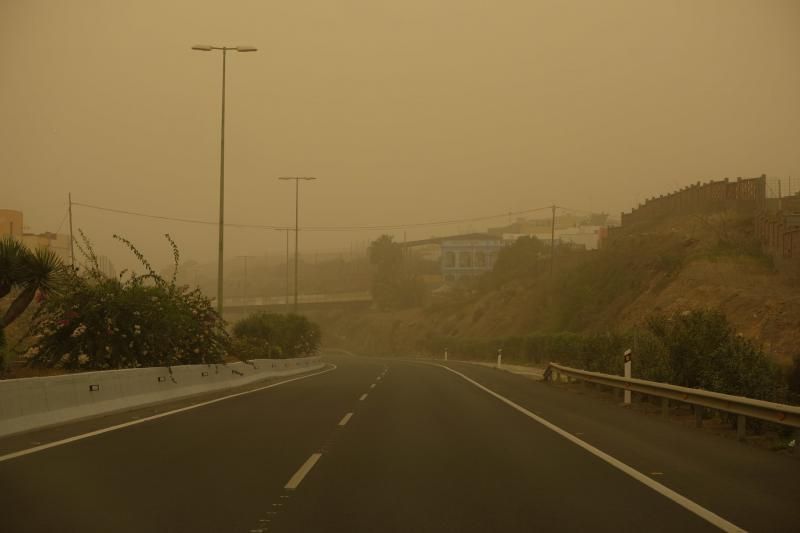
(696, 349)
(793, 380)
(2, 349)
(273, 335)
(98, 322)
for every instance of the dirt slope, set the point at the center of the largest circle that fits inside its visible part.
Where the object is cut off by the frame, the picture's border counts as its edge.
(671, 265)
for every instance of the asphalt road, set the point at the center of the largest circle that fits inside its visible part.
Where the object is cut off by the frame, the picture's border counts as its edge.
(380, 445)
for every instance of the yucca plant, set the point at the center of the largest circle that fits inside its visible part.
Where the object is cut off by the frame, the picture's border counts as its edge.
(30, 272)
(11, 253)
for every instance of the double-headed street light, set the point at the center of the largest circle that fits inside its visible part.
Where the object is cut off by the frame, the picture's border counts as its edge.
(224, 49)
(296, 224)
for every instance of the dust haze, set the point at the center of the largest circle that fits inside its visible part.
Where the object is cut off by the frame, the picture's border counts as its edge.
(406, 112)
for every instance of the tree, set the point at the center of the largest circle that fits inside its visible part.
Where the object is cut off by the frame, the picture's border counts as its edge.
(392, 286)
(516, 260)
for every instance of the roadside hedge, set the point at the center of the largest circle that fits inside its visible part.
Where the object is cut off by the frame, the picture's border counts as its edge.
(696, 348)
(275, 336)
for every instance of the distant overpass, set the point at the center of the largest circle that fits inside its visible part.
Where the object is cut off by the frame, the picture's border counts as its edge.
(304, 302)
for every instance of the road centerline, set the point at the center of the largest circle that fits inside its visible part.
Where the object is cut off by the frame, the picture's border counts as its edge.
(363, 397)
(345, 419)
(298, 476)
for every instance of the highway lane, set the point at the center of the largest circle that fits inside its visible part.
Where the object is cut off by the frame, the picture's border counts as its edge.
(429, 452)
(384, 445)
(753, 488)
(216, 468)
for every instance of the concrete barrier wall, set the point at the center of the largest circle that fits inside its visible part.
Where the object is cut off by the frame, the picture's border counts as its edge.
(32, 403)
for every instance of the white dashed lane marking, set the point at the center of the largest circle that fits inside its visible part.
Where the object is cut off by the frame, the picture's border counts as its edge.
(298, 476)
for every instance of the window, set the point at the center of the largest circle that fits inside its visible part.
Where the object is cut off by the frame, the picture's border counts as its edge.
(480, 259)
(449, 260)
(465, 259)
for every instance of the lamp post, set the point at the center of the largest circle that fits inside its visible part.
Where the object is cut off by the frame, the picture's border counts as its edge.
(224, 49)
(296, 225)
(287, 262)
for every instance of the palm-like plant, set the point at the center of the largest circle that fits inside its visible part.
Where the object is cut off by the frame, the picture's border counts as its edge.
(31, 272)
(11, 253)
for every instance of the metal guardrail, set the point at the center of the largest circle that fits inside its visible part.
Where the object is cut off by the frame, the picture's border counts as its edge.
(788, 415)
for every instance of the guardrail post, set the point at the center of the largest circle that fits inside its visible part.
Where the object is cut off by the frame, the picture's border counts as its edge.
(741, 427)
(698, 416)
(627, 400)
(664, 406)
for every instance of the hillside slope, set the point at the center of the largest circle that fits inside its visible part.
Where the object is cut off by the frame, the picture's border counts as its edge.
(675, 264)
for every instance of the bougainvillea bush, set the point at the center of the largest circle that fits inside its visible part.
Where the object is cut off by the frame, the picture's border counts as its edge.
(127, 321)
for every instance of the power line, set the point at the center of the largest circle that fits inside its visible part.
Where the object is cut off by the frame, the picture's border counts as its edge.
(583, 211)
(66, 214)
(313, 228)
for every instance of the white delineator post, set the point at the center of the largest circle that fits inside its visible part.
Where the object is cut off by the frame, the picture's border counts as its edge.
(628, 354)
(445, 354)
(499, 357)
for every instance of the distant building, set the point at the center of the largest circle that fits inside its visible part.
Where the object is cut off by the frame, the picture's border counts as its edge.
(58, 243)
(581, 231)
(10, 223)
(462, 256)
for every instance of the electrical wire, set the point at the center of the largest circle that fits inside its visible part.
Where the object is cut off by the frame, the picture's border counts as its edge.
(316, 228)
(60, 224)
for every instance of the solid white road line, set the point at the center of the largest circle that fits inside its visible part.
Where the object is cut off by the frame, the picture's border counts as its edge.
(345, 419)
(62, 442)
(681, 500)
(363, 397)
(304, 470)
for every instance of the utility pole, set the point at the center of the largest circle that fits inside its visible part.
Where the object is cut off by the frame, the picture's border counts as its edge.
(552, 242)
(296, 226)
(71, 238)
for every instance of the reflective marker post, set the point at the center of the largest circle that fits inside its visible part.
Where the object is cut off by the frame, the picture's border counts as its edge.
(628, 354)
(499, 357)
(445, 354)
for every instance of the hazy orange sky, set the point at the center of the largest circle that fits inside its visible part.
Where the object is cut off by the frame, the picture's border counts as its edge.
(406, 111)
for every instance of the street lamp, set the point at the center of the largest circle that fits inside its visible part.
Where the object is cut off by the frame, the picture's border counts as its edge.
(287, 262)
(209, 48)
(296, 224)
